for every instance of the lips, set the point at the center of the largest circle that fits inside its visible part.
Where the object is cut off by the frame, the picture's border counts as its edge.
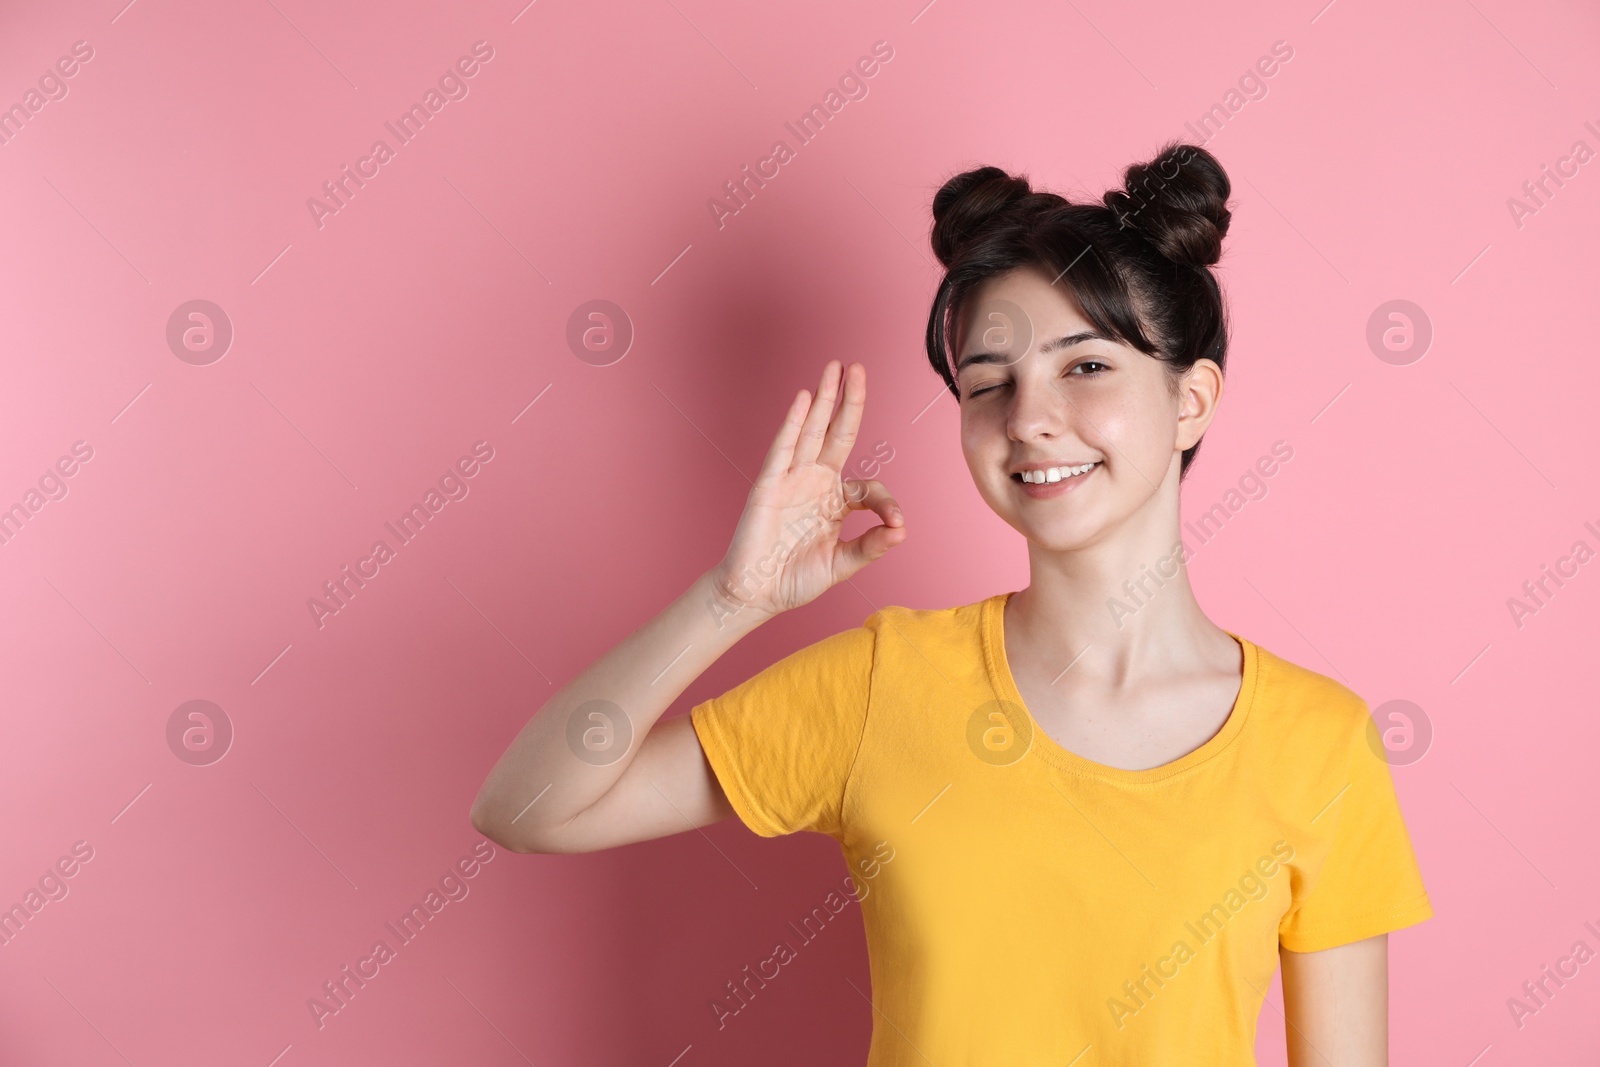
(1040, 474)
(1048, 489)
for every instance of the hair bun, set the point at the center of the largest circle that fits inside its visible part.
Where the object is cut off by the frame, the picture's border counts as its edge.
(1179, 202)
(964, 203)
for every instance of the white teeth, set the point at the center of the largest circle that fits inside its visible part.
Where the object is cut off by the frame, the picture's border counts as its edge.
(1055, 474)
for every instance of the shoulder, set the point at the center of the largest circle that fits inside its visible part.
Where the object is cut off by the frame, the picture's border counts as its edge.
(893, 636)
(1311, 735)
(921, 653)
(1306, 707)
(962, 625)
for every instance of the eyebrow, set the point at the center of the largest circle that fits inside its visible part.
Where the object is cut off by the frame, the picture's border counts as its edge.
(1046, 348)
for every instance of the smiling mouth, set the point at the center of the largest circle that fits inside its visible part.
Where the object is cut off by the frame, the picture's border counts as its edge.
(1050, 475)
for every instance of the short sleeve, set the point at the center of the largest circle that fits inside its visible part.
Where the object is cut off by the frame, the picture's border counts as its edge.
(1369, 882)
(783, 743)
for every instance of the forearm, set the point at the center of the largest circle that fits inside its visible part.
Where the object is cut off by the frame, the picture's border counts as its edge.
(595, 748)
(552, 772)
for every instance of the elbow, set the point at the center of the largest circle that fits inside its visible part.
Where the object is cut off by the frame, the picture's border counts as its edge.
(527, 839)
(497, 830)
(483, 821)
(530, 840)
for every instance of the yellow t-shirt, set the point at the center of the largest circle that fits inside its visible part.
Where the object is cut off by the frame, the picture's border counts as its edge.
(1029, 906)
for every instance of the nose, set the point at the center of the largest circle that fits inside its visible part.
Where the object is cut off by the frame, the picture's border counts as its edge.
(1038, 409)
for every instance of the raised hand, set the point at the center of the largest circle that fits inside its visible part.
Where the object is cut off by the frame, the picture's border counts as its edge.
(786, 549)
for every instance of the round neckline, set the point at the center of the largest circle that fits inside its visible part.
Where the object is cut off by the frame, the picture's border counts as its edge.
(1062, 758)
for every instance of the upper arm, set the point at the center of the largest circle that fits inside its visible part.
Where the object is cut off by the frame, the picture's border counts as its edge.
(1336, 1004)
(1356, 872)
(775, 750)
(667, 787)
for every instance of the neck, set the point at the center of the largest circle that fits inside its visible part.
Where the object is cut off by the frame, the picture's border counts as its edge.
(1117, 610)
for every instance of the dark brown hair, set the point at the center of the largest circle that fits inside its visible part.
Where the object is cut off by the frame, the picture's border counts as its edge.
(1138, 263)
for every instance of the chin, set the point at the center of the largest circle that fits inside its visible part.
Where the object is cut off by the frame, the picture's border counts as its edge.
(1058, 539)
(1061, 535)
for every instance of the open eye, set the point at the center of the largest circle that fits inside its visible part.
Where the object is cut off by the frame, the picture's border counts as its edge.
(1102, 367)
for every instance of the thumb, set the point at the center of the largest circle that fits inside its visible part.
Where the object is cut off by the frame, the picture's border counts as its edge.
(850, 556)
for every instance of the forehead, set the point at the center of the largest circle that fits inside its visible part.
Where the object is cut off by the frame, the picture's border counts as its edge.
(1024, 301)
(1025, 310)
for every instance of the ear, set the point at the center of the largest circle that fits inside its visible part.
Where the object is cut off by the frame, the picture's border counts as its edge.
(1199, 393)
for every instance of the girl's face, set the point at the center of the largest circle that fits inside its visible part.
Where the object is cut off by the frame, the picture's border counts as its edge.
(1041, 388)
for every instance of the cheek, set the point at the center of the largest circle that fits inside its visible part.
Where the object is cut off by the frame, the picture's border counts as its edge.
(971, 448)
(983, 436)
(1139, 423)
(972, 435)
(985, 448)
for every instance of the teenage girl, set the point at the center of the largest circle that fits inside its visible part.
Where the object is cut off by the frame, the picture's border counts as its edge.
(1095, 822)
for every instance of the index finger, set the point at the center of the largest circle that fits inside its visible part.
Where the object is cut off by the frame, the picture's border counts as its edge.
(782, 448)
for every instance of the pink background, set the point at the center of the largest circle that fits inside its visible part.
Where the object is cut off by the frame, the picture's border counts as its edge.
(426, 315)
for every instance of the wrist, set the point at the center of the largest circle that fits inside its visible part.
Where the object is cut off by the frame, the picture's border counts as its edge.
(728, 601)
